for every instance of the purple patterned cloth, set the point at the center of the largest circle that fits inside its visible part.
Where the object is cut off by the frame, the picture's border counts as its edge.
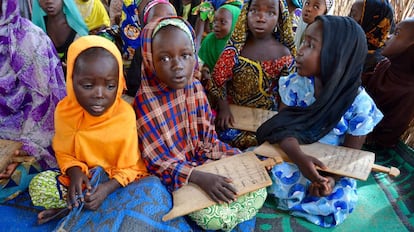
(31, 84)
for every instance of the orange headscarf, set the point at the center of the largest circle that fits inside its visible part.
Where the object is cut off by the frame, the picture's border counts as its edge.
(86, 141)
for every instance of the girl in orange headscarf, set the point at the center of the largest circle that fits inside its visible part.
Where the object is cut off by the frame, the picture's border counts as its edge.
(94, 127)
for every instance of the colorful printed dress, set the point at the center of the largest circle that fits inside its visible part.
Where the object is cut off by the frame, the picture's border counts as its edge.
(31, 84)
(246, 82)
(290, 186)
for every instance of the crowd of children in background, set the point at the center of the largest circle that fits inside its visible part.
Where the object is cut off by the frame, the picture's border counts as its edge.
(331, 78)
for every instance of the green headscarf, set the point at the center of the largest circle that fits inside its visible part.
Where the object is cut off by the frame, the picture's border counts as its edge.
(212, 47)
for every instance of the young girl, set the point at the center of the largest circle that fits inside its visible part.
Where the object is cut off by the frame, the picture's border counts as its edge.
(152, 11)
(391, 85)
(61, 21)
(88, 123)
(311, 9)
(175, 125)
(376, 18)
(225, 19)
(247, 71)
(330, 107)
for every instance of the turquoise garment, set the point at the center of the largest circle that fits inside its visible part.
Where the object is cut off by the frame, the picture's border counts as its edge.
(360, 118)
(290, 186)
(73, 17)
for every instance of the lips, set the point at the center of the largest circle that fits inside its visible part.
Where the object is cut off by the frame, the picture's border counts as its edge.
(180, 79)
(97, 108)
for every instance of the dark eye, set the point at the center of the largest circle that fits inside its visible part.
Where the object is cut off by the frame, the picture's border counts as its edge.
(87, 86)
(165, 59)
(187, 56)
(111, 86)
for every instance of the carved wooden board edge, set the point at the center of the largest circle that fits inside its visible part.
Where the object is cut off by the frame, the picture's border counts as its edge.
(246, 171)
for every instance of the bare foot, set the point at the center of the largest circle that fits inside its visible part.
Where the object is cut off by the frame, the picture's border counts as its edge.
(50, 214)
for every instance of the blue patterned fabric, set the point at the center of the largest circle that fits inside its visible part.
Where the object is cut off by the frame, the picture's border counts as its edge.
(139, 206)
(360, 118)
(290, 187)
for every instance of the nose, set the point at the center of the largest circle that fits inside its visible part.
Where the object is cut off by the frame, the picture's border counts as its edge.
(99, 92)
(177, 64)
(260, 16)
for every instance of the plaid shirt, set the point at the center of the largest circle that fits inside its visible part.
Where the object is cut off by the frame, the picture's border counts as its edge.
(175, 126)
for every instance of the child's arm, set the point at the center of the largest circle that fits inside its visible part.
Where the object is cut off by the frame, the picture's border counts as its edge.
(353, 141)
(94, 199)
(217, 187)
(224, 117)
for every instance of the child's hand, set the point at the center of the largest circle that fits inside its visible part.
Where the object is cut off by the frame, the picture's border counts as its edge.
(7, 173)
(94, 199)
(224, 117)
(217, 187)
(75, 193)
(322, 189)
(307, 165)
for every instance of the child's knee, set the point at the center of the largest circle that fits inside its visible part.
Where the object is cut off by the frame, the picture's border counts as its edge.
(45, 191)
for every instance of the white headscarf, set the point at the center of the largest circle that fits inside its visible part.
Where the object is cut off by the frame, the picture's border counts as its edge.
(330, 6)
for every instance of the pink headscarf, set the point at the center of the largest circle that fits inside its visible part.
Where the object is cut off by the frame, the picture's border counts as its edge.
(153, 3)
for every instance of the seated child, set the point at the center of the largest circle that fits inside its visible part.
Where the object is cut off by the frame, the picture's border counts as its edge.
(175, 125)
(328, 105)
(225, 19)
(94, 127)
(152, 11)
(391, 85)
(375, 18)
(311, 9)
(249, 68)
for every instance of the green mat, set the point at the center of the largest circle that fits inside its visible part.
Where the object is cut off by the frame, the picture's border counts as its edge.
(384, 204)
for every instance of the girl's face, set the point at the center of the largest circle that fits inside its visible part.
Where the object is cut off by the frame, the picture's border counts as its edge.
(313, 8)
(356, 11)
(222, 23)
(95, 83)
(262, 17)
(160, 11)
(309, 54)
(401, 40)
(51, 7)
(173, 57)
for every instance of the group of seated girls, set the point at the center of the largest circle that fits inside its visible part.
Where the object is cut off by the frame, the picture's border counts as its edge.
(171, 128)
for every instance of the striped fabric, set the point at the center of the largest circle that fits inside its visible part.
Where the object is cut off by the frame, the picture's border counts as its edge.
(175, 127)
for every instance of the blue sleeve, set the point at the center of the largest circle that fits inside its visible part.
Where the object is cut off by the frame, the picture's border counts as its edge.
(363, 115)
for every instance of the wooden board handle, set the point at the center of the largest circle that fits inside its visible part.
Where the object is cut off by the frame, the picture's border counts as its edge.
(391, 171)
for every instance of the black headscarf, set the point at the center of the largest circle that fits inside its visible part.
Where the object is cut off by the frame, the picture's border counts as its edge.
(343, 53)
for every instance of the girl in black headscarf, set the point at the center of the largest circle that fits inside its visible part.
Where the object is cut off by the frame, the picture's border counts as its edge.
(322, 101)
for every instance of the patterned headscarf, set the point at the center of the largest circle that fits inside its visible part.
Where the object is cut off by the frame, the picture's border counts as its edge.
(342, 58)
(175, 126)
(71, 11)
(31, 84)
(377, 18)
(283, 30)
(153, 3)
